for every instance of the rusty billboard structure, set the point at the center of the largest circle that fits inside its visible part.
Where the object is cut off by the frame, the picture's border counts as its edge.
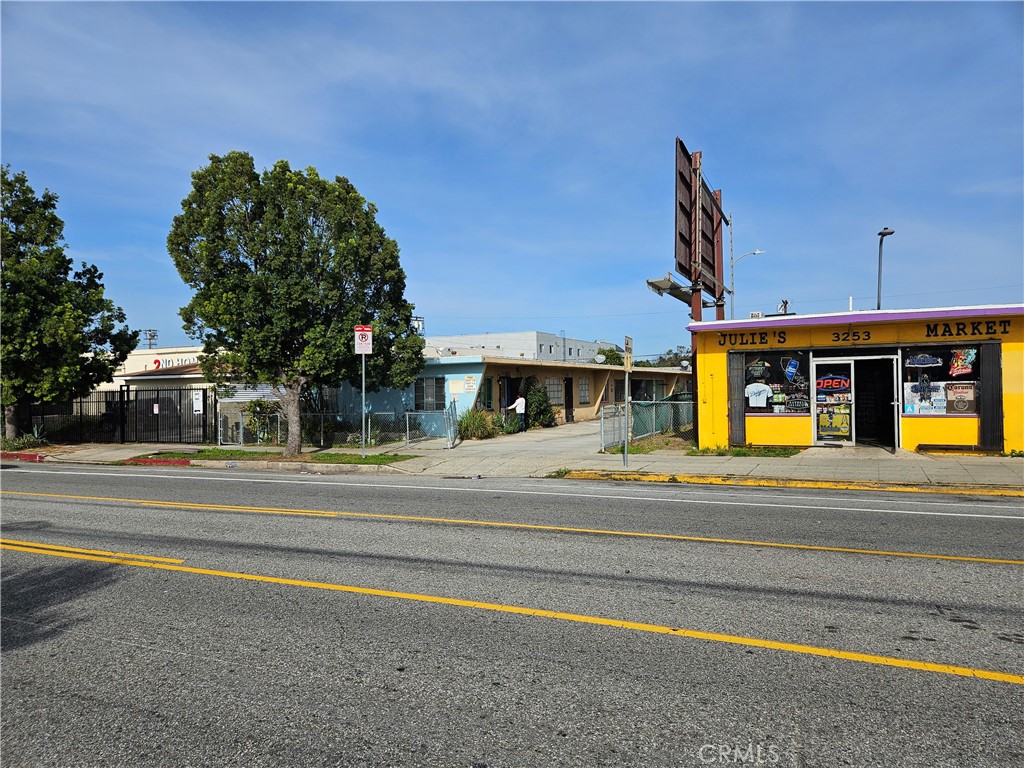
(699, 219)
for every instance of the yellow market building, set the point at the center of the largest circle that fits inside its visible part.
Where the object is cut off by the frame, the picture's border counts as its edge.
(944, 379)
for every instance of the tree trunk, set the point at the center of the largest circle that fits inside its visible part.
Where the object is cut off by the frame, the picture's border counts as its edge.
(10, 421)
(293, 412)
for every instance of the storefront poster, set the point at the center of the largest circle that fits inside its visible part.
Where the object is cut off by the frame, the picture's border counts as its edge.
(926, 397)
(834, 422)
(962, 362)
(960, 397)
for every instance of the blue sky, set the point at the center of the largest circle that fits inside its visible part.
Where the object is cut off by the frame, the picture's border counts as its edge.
(522, 153)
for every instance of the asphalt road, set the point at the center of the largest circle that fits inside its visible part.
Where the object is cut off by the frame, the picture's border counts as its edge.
(186, 617)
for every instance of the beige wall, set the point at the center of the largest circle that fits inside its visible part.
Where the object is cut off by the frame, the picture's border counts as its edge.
(600, 379)
(162, 357)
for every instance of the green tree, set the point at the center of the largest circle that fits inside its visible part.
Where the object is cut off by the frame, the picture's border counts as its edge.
(612, 356)
(539, 412)
(284, 264)
(673, 358)
(61, 336)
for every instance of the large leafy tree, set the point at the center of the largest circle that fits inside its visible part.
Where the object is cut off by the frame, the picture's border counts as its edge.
(284, 264)
(61, 335)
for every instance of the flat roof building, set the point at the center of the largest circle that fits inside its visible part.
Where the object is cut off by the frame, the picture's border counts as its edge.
(918, 379)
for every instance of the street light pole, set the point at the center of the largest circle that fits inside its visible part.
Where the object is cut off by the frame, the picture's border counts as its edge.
(732, 266)
(881, 236)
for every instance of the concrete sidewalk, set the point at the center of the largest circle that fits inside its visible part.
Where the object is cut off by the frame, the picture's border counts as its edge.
(572, 450)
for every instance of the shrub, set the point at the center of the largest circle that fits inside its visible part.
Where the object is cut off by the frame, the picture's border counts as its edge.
(21, 443)
(505, 422)
(538, 408)
(476, 424)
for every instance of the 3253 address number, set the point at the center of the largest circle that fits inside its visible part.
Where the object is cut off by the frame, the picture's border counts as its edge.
(852, 336)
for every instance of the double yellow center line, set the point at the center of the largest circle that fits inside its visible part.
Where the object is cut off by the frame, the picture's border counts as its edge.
(168, 564)
(520, 526)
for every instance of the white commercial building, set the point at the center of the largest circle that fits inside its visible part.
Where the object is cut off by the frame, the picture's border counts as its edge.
(527, 345)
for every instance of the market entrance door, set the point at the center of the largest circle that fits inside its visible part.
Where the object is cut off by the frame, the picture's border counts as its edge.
(855, 401)
(875, 408)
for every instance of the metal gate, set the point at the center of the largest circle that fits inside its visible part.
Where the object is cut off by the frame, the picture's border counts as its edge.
(127, 415)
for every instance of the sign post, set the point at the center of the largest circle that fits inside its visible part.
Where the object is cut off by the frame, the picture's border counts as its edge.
(364, 347)
(628, 365)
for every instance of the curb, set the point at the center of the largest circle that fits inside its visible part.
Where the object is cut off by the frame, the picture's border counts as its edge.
(769, 482)
(312, 468)
(18, 456)
(316, 468)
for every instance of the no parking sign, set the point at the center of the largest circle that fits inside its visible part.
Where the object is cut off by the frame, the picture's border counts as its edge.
(364, 339)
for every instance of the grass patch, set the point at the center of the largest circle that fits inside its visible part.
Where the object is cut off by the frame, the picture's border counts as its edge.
(558, 473)
(228, 454)
(781, 452)
(653, 443)
(352, 458)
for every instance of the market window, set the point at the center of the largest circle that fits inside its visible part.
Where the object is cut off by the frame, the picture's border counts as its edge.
(941, 380)
(776, 382)
(428, 394)
(584, 391)
(554, 387)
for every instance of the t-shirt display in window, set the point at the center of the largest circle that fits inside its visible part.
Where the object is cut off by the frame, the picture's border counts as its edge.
(757, 394)
(782, 374)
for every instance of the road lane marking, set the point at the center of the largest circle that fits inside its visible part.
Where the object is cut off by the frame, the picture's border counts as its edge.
(179, 504)
(527, 526)
(45, 548)
(927, 486)
(865, 658)
(218, 476)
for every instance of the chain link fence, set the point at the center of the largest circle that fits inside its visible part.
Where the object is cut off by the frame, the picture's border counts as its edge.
(339, 430)
(645, 419)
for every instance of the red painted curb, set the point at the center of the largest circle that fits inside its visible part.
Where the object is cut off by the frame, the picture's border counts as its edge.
(22, 456)
(165, 462)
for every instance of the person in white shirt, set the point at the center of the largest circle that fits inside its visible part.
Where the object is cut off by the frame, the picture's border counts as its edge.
(520, 408)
